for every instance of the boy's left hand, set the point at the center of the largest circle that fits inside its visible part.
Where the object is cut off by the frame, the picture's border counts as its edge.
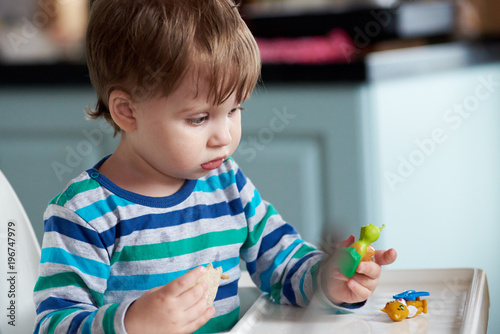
(342, 289)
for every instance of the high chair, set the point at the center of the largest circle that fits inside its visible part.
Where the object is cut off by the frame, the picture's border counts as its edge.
(19, 259)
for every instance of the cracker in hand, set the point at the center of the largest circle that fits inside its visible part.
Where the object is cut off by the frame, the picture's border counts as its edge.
(212, 276)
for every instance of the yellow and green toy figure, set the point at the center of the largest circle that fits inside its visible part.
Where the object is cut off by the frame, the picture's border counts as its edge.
(349, 257)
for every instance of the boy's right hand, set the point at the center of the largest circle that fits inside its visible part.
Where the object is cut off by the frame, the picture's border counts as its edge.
(172, 308)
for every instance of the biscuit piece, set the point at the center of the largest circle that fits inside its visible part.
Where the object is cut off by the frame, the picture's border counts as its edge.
(212, 276)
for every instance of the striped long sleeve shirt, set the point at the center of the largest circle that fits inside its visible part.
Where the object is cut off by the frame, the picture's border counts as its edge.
(103, 247)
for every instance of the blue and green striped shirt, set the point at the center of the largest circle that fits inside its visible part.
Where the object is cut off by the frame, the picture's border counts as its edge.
(103, 247)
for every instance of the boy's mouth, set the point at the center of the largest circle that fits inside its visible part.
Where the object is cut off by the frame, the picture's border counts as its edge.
(216, 163)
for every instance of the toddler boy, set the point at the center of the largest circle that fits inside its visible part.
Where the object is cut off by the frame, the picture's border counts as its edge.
(126, 240)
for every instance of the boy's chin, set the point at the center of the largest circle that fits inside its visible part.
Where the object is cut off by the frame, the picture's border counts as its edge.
(197, 174)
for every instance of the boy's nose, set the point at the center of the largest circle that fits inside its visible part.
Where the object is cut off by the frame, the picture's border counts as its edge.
(221, 136)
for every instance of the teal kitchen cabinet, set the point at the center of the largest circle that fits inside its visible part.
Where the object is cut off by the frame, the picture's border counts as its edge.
(45, 140)
(300, 146)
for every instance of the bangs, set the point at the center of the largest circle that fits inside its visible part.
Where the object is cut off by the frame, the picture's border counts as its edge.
(224, 52)
(233, 68)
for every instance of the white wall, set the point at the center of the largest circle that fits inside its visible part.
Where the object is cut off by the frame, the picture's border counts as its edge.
(433, 170)
(45, 141)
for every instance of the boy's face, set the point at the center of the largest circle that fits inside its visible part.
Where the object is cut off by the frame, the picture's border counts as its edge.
(183, 136)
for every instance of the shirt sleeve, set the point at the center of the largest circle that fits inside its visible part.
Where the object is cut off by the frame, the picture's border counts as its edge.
(73, 273)
(278, 260)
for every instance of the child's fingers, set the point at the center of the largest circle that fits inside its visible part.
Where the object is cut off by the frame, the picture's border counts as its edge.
(361, 292)
(198, 308)
(362, 285)
(192, 296)
(385, 257)
(183, 283)
(200, 312)
(370, 270)
(200, 321)
(337, 275)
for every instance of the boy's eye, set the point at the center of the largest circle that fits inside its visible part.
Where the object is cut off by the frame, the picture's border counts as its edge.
(235, 110)
(203, 119)
(198, 120)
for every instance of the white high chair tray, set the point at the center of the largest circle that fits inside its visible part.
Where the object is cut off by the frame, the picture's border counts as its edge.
(458, 303)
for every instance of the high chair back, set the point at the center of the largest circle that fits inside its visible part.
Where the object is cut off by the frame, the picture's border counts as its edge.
(19, 259)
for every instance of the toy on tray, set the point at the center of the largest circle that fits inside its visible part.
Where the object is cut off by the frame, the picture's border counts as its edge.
(407, 304)
(351, 255)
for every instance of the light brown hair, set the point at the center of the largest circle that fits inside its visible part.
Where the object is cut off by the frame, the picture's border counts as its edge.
(145, 47)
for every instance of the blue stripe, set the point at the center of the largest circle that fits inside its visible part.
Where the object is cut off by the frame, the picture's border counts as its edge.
(302, 292)
(102, 207)
(141, 282)
(86, 266)
(37, 328)
(250, 207)
(77, 321)
(288, 291)
(150, 281)
(268, 242)
(265, 277)
(173, 218)
(241, 180)
(227, 264)
(227, 291)
(215, 182)
(53, 303)
(72, 230)
(272, 239)
(87, 325)
(252, 267)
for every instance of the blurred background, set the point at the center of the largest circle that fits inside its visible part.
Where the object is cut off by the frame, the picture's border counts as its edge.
(368, 111)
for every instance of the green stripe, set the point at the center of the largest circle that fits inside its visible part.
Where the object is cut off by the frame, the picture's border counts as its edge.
(180, 247)
(108, 319)
(66, 279)
(54, 200)
(276, 292)
(221, 323)
(74, 189)
(304, 249)
(254, 236)
(57, 317)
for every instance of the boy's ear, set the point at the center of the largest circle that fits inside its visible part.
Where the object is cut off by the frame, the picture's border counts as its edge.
(121, 108)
